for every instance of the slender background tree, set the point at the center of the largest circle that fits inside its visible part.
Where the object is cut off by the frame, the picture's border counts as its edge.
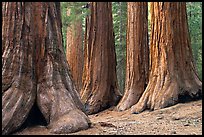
(74, 50)
(119, 11)
(35, 73)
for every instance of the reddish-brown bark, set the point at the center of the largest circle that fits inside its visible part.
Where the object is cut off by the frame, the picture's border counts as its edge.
(100, 89)
(173, 76)
(74, 52)
(34, 68)
(137, 54)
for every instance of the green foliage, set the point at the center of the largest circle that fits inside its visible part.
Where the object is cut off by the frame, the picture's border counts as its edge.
(77, 12)
(194, 12)
(119, 11)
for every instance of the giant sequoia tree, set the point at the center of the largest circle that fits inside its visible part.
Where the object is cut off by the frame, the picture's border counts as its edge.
(137, 54)
(74, 51)
(173, 76)
(34, 69)
(100, 89)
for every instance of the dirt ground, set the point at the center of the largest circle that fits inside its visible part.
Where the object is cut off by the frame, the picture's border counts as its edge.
(181, 119)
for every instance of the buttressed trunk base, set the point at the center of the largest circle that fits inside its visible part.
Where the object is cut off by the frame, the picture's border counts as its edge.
(100, 89)
(137, 55)
(34, 69)
(173, 75)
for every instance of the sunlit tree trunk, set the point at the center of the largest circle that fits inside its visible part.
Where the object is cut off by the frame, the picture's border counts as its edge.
(137, 54)
(173, 77)
(100, 88)
(74, 52)
(34, 69)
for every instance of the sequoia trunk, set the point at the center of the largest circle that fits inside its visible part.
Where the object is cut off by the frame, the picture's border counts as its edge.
(74, 52)
(34, 68)
(18, 76)
(173, 77)
(100, 89)
(137, 54)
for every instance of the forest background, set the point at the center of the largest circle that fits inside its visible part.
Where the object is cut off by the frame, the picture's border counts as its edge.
(73, 11)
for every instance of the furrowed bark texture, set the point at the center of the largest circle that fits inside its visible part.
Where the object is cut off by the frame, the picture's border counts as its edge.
(18, 76)
(35, 69)
(137, 54)
(74, 52)
(173, 77)
(100, 89)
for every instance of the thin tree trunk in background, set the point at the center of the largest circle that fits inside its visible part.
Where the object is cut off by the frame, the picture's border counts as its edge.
(194, 49)
(100, 88)
(137, 54)
(122, 77)
(173, 77)
(74, 52)
(34, 68)
(120, 14)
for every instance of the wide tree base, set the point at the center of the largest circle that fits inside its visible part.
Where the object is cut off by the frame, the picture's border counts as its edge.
(35, 70)
(16, 105)
(74, 121)
(129, 99)
(172, 75)
(169, 95)
(93, 105)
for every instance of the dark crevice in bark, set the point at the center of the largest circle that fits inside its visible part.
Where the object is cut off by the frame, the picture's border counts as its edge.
(37, 89)
(35, 117)
(186, 97)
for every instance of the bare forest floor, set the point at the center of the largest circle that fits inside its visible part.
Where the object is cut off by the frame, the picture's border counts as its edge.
(182, 119)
